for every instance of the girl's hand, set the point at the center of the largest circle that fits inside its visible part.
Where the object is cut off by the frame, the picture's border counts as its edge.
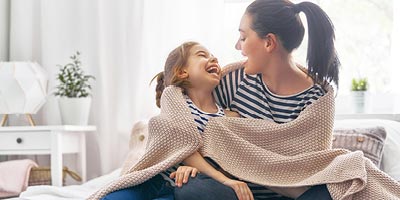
(241, 189)
(182, 174)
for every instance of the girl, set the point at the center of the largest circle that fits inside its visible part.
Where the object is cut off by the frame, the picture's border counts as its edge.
(270, 85)
(192, 68)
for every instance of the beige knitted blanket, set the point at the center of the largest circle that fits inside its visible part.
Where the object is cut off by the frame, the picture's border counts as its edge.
(297, 153)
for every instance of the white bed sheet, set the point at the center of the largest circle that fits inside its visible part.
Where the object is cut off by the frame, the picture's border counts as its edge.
(73, 192)
(391, 165)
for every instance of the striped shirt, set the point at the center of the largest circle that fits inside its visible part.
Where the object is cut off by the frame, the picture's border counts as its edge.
(250, 97)
(201, 119)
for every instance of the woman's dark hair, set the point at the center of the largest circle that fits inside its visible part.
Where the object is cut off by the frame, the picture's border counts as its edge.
(281, 17)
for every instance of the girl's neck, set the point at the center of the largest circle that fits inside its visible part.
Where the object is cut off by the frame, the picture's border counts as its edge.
(203, 99)
(283, 77)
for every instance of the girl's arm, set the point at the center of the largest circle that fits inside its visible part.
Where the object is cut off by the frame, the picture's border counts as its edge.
(196, 160)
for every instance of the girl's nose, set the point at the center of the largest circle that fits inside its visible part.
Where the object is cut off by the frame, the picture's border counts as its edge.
(213, 59)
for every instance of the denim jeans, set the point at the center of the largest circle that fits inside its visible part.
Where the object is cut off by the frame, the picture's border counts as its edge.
(319, 192)
(154, 189)
(203, 187)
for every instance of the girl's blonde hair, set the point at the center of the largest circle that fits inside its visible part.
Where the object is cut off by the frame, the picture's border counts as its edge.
(175, 63)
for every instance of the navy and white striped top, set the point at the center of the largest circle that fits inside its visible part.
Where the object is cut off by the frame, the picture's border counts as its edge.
(201, 119)
(250, 97)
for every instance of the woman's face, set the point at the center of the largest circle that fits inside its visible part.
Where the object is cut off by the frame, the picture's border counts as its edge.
(203, 69)
(252, 46)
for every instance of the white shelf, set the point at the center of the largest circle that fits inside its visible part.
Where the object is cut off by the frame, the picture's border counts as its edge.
(48, 128)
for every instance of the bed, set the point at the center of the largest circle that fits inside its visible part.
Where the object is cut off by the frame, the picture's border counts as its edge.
(390, 162)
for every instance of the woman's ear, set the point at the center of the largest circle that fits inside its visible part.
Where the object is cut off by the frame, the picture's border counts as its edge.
(270, 42)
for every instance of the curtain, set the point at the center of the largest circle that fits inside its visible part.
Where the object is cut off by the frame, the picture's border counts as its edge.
(124, 44)
(4, 27)
(395, 51)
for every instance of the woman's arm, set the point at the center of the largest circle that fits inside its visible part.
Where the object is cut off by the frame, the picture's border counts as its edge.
(197, 161)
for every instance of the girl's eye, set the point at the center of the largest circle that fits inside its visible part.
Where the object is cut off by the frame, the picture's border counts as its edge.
(202, 55)
(242, 39)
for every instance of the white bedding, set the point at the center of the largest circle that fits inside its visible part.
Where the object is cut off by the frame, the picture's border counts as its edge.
(73, 192)
(390, 161)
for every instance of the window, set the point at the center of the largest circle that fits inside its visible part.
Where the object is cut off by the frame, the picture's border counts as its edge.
(364, 39)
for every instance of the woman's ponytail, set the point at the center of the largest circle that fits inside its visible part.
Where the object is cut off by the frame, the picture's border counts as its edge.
(322, 60)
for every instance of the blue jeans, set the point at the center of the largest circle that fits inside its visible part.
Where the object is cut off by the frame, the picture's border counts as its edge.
(203, 187)
(319, 192)
(154, 189)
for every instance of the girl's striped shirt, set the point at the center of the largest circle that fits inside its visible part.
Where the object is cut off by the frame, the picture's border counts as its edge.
(201, 119)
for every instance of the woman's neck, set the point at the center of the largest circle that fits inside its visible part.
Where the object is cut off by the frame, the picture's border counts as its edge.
(283, 77)
(203, 99)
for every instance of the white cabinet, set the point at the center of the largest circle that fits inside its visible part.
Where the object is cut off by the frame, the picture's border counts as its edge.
(51, 140)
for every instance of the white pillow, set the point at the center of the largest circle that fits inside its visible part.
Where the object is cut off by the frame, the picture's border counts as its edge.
(391, 150)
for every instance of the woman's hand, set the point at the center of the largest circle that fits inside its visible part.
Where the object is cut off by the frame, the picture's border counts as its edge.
(182, 174)
(241, 189)
(230, 113)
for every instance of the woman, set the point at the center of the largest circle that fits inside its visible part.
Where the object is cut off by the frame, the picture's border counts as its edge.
(271, 85)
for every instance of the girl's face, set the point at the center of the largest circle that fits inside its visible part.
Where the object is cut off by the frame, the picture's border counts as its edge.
(203, 70)
(252, 46)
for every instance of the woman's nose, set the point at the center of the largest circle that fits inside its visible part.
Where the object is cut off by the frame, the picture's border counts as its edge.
(237, 45)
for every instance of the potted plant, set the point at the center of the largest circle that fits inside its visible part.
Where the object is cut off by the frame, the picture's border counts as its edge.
(359, 88)
(74, 92)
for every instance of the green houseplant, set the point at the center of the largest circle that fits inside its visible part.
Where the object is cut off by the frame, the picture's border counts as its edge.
(359, 89)
(359, 84)
(74, 92)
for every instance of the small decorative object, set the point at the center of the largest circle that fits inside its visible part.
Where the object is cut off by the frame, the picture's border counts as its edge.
(359, 88)
(74, 92)
(23, 89)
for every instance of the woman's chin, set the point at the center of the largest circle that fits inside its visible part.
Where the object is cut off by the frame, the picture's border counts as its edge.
(249, 70)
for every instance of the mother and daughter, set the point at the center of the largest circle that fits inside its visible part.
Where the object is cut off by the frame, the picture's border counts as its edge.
(269, 85)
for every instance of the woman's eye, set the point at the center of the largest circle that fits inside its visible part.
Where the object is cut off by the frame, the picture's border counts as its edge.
(202, 55)
(242, 39)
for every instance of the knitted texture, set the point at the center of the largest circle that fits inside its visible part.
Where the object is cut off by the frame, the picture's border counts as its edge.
(297, 153)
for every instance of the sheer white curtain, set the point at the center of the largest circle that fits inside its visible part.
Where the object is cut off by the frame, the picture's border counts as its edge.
(395, 53)
(4, 29)
(124, 43)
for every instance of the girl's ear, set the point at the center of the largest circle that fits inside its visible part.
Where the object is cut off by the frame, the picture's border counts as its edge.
(183, 74)
(270, 42)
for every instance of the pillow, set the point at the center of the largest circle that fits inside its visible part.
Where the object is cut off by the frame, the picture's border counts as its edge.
(138, 141)
(368, 140)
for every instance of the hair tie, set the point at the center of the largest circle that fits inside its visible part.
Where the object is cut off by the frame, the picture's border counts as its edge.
(296, 8)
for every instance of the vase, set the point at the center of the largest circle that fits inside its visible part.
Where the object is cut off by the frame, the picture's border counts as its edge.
(358, 99)
(74, 111)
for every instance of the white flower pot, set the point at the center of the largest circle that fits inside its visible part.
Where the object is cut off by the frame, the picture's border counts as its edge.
(359, 98)
(75, 111)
